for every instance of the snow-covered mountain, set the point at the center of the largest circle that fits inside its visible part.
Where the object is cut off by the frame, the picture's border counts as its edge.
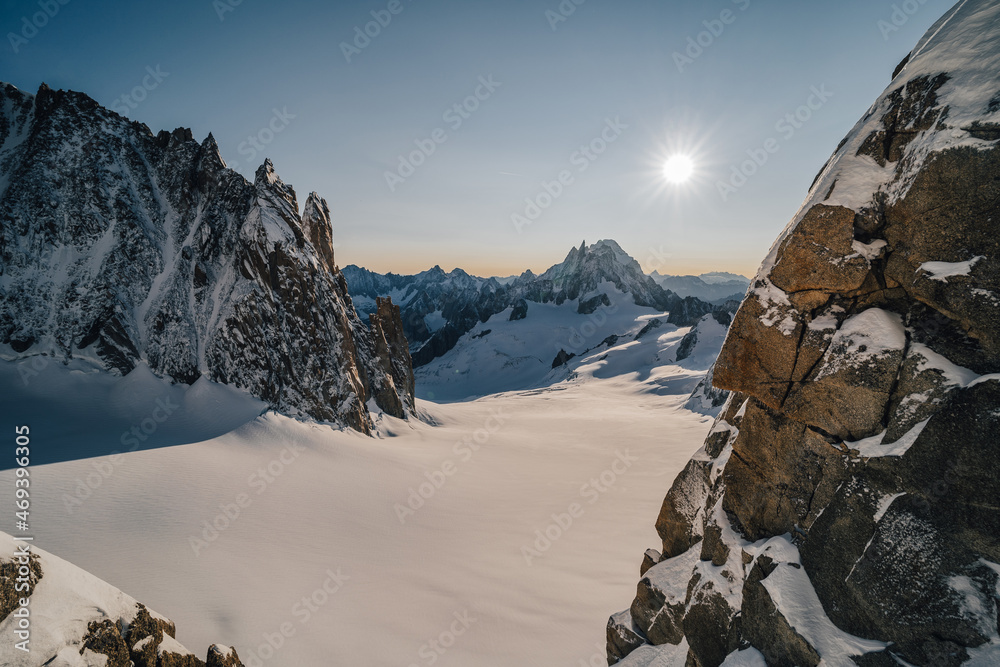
(436, 307)
(580, 275)
(843, 509)
(554, 341)
(713, 287)
(439, 308)
(127, 248)
(716, 277)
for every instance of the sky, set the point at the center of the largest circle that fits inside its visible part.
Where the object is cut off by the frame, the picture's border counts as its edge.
(494, 136)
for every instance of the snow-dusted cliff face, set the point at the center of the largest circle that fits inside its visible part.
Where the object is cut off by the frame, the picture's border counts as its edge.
(127, 247)
(845, 508)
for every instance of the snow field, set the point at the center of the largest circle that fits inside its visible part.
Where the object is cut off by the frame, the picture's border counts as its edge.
(302, 544)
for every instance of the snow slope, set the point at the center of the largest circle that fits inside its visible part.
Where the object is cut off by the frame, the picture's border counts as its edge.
(502, 355)
(62, 604)
(525, 494)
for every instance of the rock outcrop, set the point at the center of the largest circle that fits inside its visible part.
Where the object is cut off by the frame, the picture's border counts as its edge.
(74, 618)
(392, 353)
(845, 507)
(127, 247)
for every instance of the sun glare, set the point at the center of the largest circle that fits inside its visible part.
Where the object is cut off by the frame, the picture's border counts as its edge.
(678, 169)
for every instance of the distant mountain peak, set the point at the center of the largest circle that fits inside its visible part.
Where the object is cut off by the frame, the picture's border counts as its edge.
(270, 187)
(604, 260)
(620, 255)
(609, 243)
(439, 308)
(211, 159)
(723, 276)
(210, 143)
(265, 174)
(715, 286)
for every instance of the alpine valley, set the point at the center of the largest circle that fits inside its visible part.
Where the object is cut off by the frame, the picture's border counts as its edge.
(243, 455)
(218, 378)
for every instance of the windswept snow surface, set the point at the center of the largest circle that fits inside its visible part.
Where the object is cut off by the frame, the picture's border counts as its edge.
(666, 655)
(467, 539)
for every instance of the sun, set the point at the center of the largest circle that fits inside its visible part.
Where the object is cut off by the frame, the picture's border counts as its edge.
(678, 168)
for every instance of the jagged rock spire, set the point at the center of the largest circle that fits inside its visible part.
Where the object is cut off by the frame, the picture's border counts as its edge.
(213, 276)
(318, 229)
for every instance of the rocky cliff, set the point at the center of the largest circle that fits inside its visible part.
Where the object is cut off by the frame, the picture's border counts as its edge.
(127, 247)
(845, 507)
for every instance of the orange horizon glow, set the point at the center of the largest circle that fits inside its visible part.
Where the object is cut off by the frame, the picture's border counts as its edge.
(485, 267)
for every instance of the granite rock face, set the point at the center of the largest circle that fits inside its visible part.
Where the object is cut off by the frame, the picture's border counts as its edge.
(845, 507)
(132, 248)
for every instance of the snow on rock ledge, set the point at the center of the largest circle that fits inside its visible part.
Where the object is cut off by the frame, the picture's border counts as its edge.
(78, 620)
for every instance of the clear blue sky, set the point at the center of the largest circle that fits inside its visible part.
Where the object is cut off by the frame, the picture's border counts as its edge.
(610, 59)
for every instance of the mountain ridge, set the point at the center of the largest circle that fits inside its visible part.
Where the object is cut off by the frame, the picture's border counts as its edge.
(711, 287)
(148, 249)
(438, 308)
